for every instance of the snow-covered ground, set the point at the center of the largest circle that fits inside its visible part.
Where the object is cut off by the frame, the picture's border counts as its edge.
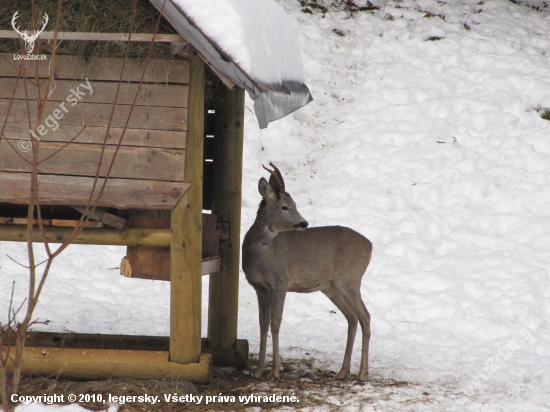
(425, 135)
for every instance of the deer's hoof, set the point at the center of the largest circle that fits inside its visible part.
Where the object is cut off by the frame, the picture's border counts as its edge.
(343, 374)
(275, 373)
(362, 375)
(259, 372)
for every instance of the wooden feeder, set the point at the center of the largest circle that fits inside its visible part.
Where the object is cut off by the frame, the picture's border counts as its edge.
(176, 159)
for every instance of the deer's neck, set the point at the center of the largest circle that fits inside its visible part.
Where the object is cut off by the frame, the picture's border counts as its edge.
(260, 234)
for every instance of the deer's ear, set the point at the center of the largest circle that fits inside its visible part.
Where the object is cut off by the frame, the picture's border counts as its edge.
(267, 192)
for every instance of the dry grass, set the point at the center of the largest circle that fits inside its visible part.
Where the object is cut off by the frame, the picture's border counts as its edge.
(89, 16)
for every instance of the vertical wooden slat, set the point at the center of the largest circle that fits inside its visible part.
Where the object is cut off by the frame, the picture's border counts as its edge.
(226, 204)
(186, 245)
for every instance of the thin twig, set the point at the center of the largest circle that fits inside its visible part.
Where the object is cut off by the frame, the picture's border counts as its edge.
(16, 262)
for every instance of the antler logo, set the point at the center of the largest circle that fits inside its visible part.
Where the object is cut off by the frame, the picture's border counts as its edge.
(31, 37)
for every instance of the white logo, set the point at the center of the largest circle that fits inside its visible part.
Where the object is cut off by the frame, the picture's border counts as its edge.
(31, 37)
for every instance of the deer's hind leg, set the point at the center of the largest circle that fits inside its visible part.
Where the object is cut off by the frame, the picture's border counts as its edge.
(264, 305)
(352, 293)
(364, 320)
(342, 302)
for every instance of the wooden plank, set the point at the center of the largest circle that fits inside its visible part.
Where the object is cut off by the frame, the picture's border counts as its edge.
(237, 358)
(100, 68)
(211, 265)
(101, 215)
(95, 114)
(47, 222)
(226, 204)
(75, 191)
(154, 94)
(186, 247)
(224, 78)
(101, 364)
(75, 159)
(88, 36)
(125, 237)
(169, 139)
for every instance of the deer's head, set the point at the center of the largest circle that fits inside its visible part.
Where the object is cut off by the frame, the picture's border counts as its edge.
(280, 210)
(30, 37)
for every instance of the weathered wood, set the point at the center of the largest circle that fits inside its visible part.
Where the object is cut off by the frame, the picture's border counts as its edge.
(125, 267)
(186, 248)
(211, 265)
(96, 114)
(210, 236)
(125, 237)
(101, 215)
(149, 262)
(77, 159)
(75, 191)
(169, 95)
(103, 364)
(236, 358)
(154, 263)
(48, 222)
(169, 139)
(88, 36)
(100, 68)
(111, 220)
(226, 204)
(225, 79)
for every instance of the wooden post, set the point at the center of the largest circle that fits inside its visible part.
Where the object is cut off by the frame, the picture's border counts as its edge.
(226, 204)
(186, 245)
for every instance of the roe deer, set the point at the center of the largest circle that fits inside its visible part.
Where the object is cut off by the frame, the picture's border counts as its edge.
(280, 254)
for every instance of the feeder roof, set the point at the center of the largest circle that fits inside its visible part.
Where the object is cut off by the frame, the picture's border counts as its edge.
(252, 42)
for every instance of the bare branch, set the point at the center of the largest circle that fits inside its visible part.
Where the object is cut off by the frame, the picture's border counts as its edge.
(15, 261)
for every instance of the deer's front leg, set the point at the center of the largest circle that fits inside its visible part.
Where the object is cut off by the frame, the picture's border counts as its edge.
(264, 304)
(277, 306)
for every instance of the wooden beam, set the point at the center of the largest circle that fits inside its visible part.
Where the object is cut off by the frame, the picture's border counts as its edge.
(48, 222)
(100, 68)
(226, 204)
(235, 358)
(125, 237)
(186, 246)
(75, 191)
(102, 364)
(225, 79)
(87, 36)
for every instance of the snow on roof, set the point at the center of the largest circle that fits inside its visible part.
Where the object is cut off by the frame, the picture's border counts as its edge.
(252, 42)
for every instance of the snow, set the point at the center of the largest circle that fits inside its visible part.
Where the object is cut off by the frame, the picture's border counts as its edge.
(433, 149)
(262, 39)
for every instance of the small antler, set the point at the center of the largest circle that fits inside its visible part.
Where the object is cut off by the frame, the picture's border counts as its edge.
(277, 176)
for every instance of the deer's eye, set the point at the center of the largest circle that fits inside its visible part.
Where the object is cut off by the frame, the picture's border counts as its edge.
(285, 208)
